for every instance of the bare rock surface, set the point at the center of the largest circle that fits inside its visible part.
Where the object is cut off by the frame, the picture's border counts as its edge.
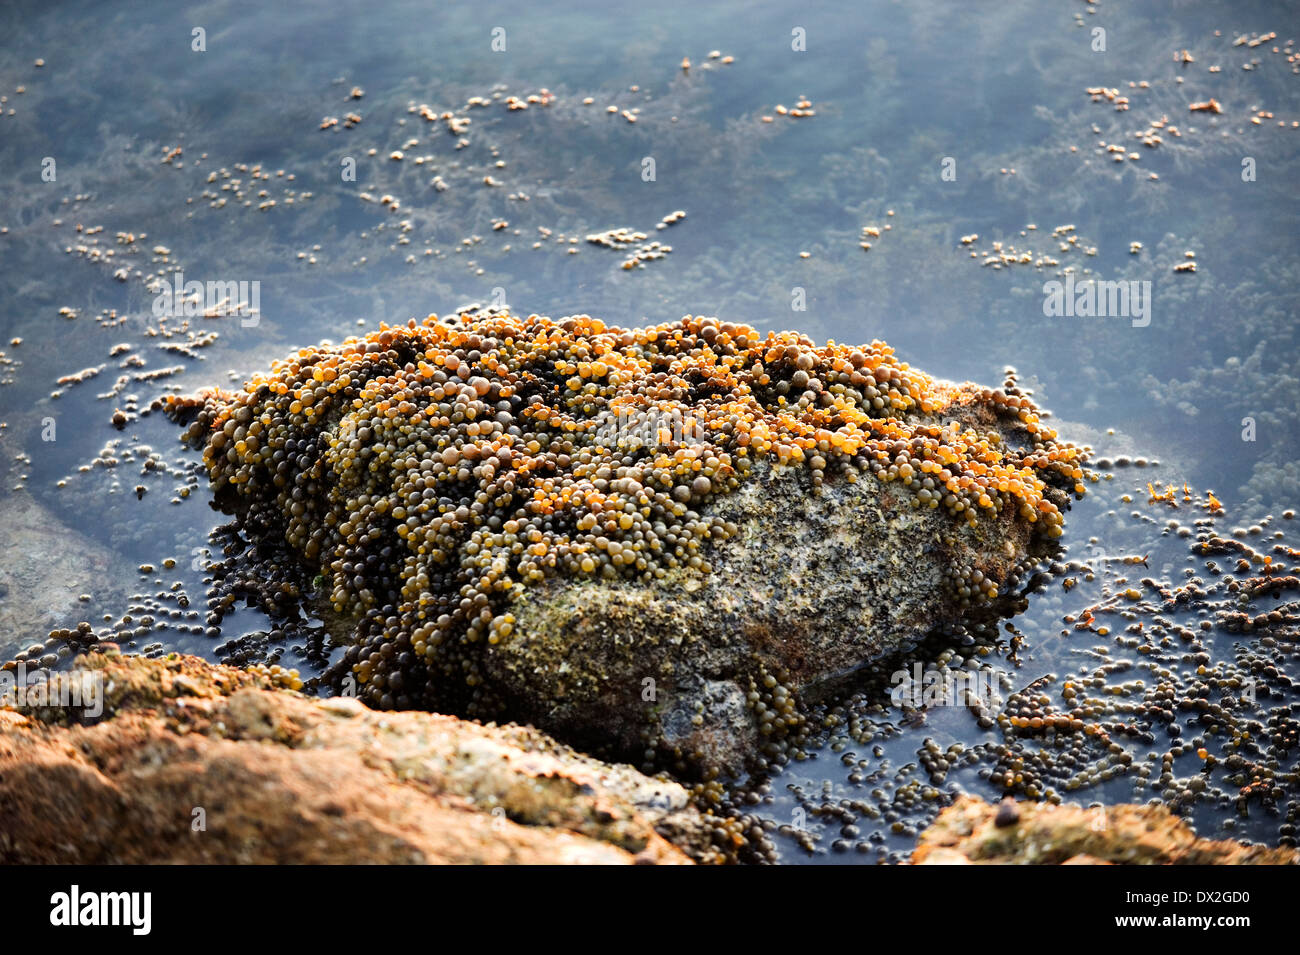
(195, 763)
(972, 831)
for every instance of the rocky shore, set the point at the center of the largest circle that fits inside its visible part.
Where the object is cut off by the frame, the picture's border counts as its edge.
(191, 762)
(195, 763)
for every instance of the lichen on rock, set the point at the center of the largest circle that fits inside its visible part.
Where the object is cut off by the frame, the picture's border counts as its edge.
(651, 541)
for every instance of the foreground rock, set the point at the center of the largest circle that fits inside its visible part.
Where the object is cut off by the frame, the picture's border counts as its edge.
(971, 831)
(193, 763)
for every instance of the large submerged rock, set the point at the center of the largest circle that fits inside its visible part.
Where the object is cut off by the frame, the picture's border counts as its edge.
(194, 763)
(652, 542)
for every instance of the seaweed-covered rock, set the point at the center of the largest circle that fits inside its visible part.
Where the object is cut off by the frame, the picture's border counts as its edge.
(194, 763)
(811, 587)
(972, 831)
(651, 541)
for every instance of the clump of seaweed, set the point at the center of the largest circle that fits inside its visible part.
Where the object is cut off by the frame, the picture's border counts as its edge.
(429, 472)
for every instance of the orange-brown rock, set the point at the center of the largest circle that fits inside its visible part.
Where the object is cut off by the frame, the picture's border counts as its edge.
(194, 763)
(1042, 834)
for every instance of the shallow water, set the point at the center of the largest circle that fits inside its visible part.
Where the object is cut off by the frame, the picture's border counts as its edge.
(902, 93)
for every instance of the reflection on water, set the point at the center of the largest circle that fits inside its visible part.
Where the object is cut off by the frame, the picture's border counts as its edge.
(960, 144)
